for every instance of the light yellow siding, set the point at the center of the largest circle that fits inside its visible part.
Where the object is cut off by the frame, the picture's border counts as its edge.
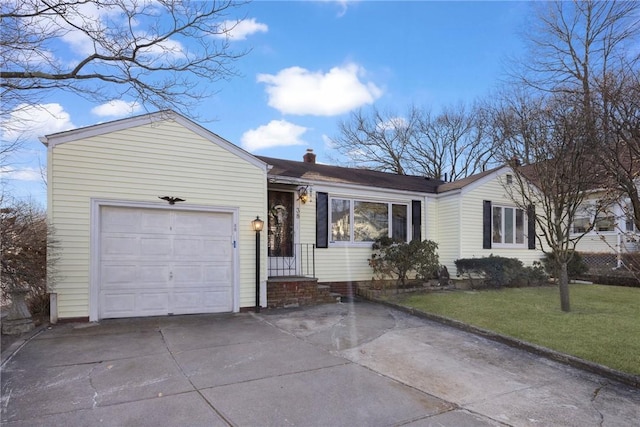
(448, 230)
(139, 164)
(471, 223)
(460, 224)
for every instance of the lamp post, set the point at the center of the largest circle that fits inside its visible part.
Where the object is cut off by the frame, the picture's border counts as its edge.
(257, 225)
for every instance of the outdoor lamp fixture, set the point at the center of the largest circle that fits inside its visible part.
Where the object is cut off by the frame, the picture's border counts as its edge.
(303, 194)
(257, 225)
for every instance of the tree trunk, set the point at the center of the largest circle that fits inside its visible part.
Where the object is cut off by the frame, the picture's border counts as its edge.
(564, 288)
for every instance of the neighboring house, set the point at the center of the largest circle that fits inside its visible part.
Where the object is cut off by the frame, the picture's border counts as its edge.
(126, 251)
(613, 233)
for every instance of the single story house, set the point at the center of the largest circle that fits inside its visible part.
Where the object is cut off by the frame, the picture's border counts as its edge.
(153, 216)
(611, 234)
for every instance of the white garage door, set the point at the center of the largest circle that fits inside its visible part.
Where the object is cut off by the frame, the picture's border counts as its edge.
(158, 262)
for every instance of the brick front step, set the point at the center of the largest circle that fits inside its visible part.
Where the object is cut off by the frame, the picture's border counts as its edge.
(296, 292)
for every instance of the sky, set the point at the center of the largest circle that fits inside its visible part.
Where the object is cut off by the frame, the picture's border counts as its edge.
(310, 65)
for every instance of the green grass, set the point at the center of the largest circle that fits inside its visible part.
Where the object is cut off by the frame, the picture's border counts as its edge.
(603, 325)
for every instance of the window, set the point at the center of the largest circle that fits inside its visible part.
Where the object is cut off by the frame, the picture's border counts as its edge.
(359, 221)
(340, 220)
(507, 226)
(605, 222)
(581, 224)
(630, 225)
(587, 219)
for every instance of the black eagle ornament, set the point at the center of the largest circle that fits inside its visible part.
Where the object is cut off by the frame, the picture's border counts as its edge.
(171, 200)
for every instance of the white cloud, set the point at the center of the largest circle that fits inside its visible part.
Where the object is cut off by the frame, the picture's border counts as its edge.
(328, 142)
(296, 90)
(116, 108)
(277, 133)
(26, 174)
(28, 122)
(393, 123)
(87, 15)
(239, 30)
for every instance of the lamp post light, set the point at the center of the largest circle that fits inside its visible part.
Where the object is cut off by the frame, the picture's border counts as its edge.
(257, 225)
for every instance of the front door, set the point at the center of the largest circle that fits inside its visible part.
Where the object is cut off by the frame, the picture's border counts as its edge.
(280, 234)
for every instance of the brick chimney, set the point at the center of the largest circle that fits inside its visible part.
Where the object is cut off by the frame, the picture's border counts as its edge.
(309, 157)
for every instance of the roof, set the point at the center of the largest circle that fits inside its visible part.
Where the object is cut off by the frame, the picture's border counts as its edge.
(341, 175)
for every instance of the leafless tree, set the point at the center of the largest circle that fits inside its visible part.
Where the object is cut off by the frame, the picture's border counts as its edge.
(572, 47)
(619, 106)
(379, 140)
(156, 53)
(555, 184)
(588, 51)
(452, 144)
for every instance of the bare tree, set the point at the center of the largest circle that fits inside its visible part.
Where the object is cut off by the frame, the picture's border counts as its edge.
(156, 53)
(572, 47)
(555, 184)
(451, 144)
(587, 50)
(619, 103)
(380, 141)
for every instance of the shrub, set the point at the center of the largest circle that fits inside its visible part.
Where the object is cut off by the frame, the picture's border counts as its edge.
(498, 272)
(398, 259)
(534, 275)
(27, 248)
(575, 268)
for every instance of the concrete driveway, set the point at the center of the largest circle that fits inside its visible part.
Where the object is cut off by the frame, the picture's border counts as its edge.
(355, 364)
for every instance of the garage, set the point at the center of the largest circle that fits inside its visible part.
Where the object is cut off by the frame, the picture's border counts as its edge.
(164, 261)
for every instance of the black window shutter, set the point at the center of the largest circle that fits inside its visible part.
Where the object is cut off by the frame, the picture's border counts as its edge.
(486, 224)
(322, 220)
(416, 220)
(531, 226)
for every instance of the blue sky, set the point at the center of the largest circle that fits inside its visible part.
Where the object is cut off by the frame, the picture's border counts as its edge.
(310, 65)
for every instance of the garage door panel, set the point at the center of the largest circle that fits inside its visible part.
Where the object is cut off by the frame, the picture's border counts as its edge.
(192, 302)
(119, 245)
(119, 303)
(155, 247)
(217, 301)
(118, 274)
(189, 248)
(194, 223)
(188, 275)
(134, 275)
(217, 249)
(114, 220)
(154, 221)
(152, 303)
(217, 274)
(156, 262)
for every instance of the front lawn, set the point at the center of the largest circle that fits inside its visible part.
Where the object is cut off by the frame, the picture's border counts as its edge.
(603, 326)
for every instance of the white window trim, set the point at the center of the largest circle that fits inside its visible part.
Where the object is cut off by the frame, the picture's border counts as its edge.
(619, 221)
(352, 200)
(525, 221)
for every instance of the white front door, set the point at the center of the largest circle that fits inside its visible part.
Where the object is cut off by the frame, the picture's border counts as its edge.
(159, 262)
